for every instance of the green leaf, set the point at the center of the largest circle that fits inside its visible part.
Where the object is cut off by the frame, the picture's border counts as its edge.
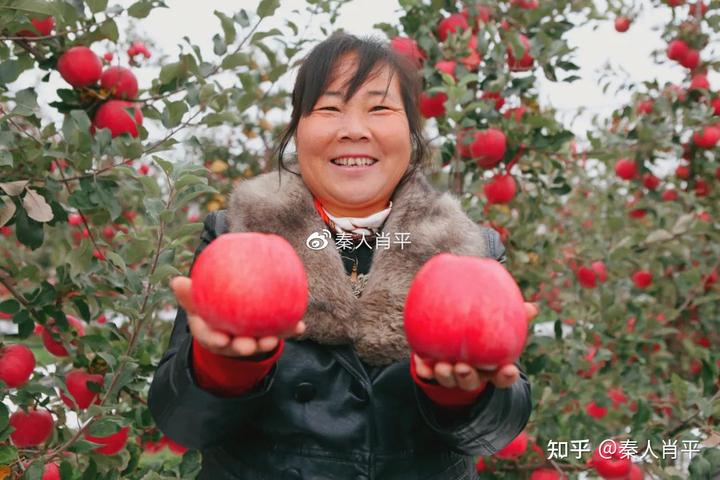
(11, 305)
(169, 72)
(109, 30)
(116, 260)
(8, 454)
(188, 179)
(228, 27)
(35, 471)
(235, 60)
(140, 9)
(190, 465)
(26, 102)
(138, 249)
(267, 8)
(164, 164)
(40, 7)
(219, 46)
(260, 35)
(105, 426)
(163, 272)
(28, 231)
(97, 6)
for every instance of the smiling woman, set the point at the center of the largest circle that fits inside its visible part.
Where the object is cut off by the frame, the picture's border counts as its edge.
(341, 395)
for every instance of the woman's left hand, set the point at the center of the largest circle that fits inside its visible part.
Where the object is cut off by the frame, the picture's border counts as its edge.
(467, 377)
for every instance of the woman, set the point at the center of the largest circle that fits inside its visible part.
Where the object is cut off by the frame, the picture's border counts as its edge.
(339, 397)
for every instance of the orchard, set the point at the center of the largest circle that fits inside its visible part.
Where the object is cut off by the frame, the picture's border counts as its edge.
(104, 186)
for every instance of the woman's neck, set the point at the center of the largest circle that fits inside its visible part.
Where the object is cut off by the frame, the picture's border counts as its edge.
(340, 211)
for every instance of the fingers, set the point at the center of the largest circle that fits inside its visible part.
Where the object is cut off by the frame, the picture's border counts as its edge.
(506, 376)
(532, 310)
(444, 375)
(213, 340)
(422, 369)
(467, 377)
(181, 287)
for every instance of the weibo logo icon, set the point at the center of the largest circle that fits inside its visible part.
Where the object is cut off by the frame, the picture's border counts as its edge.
(318, 241)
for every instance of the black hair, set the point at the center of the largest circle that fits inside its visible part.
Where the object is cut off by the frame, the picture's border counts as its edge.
(315, 74)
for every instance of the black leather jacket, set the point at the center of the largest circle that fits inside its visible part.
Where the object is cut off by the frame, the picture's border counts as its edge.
(318, 415)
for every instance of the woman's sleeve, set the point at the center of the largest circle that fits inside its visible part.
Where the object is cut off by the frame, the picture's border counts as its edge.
(496, 416)
(184, 411)
(493, 421)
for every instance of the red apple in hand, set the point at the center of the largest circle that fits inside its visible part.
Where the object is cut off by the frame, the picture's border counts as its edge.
(77, 385)
(111, 444)
(17, 363)
(465, 309)
(80, 67)
(250, 284)
(31, 428)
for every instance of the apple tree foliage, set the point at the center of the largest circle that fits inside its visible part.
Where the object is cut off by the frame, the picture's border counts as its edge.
(94, 226)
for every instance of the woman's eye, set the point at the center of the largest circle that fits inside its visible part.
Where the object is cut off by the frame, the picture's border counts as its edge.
(380, 106)
(328, 108)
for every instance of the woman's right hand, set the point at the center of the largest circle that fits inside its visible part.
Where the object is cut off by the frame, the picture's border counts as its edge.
(220, 342)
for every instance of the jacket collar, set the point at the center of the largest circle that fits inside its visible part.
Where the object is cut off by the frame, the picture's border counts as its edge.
(432, 222)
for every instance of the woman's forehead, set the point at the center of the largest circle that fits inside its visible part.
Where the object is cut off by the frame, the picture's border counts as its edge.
(379, 81)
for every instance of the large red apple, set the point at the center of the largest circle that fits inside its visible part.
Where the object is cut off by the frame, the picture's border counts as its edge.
(610, 463)
(515, 448)
(501, 189)
(31, 428)
(408, 48)
(525, 62)
(488, 147)
(120, 82)
(456, 23)
(468, 309)
(586, 277)
(432, 105)
(56, 347)
(17, 363)
(111, 444)
(79, 66)
(42, 26)
(113, 115)
(250, 284)
(77, 385)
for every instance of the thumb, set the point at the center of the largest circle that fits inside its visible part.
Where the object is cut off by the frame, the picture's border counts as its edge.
(181, 287)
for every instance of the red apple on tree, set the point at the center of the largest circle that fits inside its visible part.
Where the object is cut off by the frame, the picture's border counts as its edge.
(708, 137)
(501, 189)
(455, 23)
(599, 268)
(457, 306)
(546, 474)
(586, 277)
(677, 49)
(250, 284)
(120, 82)
(51, 472)
(32, 428)
(42, 26)
(114, 115)
(17, 363)
(611, 462)
(408, 48)
(432, 105)
(622, 24)
(642, 279)
(626, 169)
(488, 147)
(515, 448)
(691, 59)
(79, 66)
(55, 346)
(525, 62)
(81, 396)
(594, 410)
(110, 444)
(447, 66)
(473, 59)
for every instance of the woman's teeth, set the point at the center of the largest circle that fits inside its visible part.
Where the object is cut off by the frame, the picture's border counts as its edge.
(354, 162)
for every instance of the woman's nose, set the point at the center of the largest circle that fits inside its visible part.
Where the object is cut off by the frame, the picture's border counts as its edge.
(353, 127)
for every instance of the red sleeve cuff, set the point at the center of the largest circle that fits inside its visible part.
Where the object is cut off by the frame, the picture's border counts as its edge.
(228, 376)
(448, 397)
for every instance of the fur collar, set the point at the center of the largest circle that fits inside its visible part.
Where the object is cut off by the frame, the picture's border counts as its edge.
(373, 323)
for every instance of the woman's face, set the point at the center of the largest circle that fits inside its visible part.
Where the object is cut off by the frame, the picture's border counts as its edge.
(370, 126)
